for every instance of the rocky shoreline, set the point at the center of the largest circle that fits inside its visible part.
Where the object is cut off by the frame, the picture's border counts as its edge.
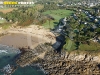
(64, 63)
(53, 63)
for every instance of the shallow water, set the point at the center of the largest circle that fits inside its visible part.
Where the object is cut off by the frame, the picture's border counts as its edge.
(7, 56)
(28, 71)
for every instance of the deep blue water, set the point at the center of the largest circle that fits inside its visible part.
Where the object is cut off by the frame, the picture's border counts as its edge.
(7, 55)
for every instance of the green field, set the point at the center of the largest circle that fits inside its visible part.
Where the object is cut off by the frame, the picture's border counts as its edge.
(5, 25)
(94, 46)
(57, 15)
(70, 45)
(2, 21)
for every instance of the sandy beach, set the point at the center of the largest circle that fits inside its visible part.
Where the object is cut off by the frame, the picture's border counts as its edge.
(28, 36)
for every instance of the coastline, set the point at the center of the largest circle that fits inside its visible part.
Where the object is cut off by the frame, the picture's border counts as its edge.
(49, 62)
(29, 36)
(25, 37)
(61, 63)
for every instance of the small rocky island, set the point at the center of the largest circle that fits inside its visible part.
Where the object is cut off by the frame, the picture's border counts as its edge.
(63, 63)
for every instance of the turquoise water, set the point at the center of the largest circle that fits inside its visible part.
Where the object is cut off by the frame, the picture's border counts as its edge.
(7, 55)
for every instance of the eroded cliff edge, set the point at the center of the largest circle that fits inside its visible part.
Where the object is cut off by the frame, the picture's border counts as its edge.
(64, 63)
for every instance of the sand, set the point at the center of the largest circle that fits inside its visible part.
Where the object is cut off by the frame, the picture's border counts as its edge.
(19, 40)
(30, 36)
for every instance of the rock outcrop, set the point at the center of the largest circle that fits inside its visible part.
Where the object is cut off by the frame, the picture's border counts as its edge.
(64, 63)
(60, 64)
(30, 55)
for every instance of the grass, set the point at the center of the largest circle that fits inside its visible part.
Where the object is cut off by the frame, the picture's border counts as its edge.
(57, 15)
(2, 21)
(46, 25)
(5, 25)
(70, 45)
(92, 47)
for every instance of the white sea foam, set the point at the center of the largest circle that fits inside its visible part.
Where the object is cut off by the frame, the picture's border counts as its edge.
(3, 51)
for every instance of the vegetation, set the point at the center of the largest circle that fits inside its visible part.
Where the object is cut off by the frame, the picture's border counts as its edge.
(70, 45)
(57, 15)
(94, 46)
(28, 15)
(24, 16)
(2, 21)
(5, 25)
(47, 13)
(83, 32)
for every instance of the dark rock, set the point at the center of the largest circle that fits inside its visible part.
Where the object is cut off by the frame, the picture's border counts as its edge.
(63, 63)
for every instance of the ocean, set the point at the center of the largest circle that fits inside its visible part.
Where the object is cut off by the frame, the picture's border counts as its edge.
(7, 56)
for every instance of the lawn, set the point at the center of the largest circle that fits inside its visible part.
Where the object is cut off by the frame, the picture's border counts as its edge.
(92, 47)
(57, 15)
(2, 21)
(70, 45)
(5, 25)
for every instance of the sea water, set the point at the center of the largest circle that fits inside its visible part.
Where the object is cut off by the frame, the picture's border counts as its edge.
(7, 56)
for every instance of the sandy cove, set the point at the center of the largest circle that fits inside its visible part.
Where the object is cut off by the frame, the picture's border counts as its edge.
(28, 36)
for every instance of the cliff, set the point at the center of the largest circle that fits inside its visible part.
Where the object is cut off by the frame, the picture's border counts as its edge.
(64, 63)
